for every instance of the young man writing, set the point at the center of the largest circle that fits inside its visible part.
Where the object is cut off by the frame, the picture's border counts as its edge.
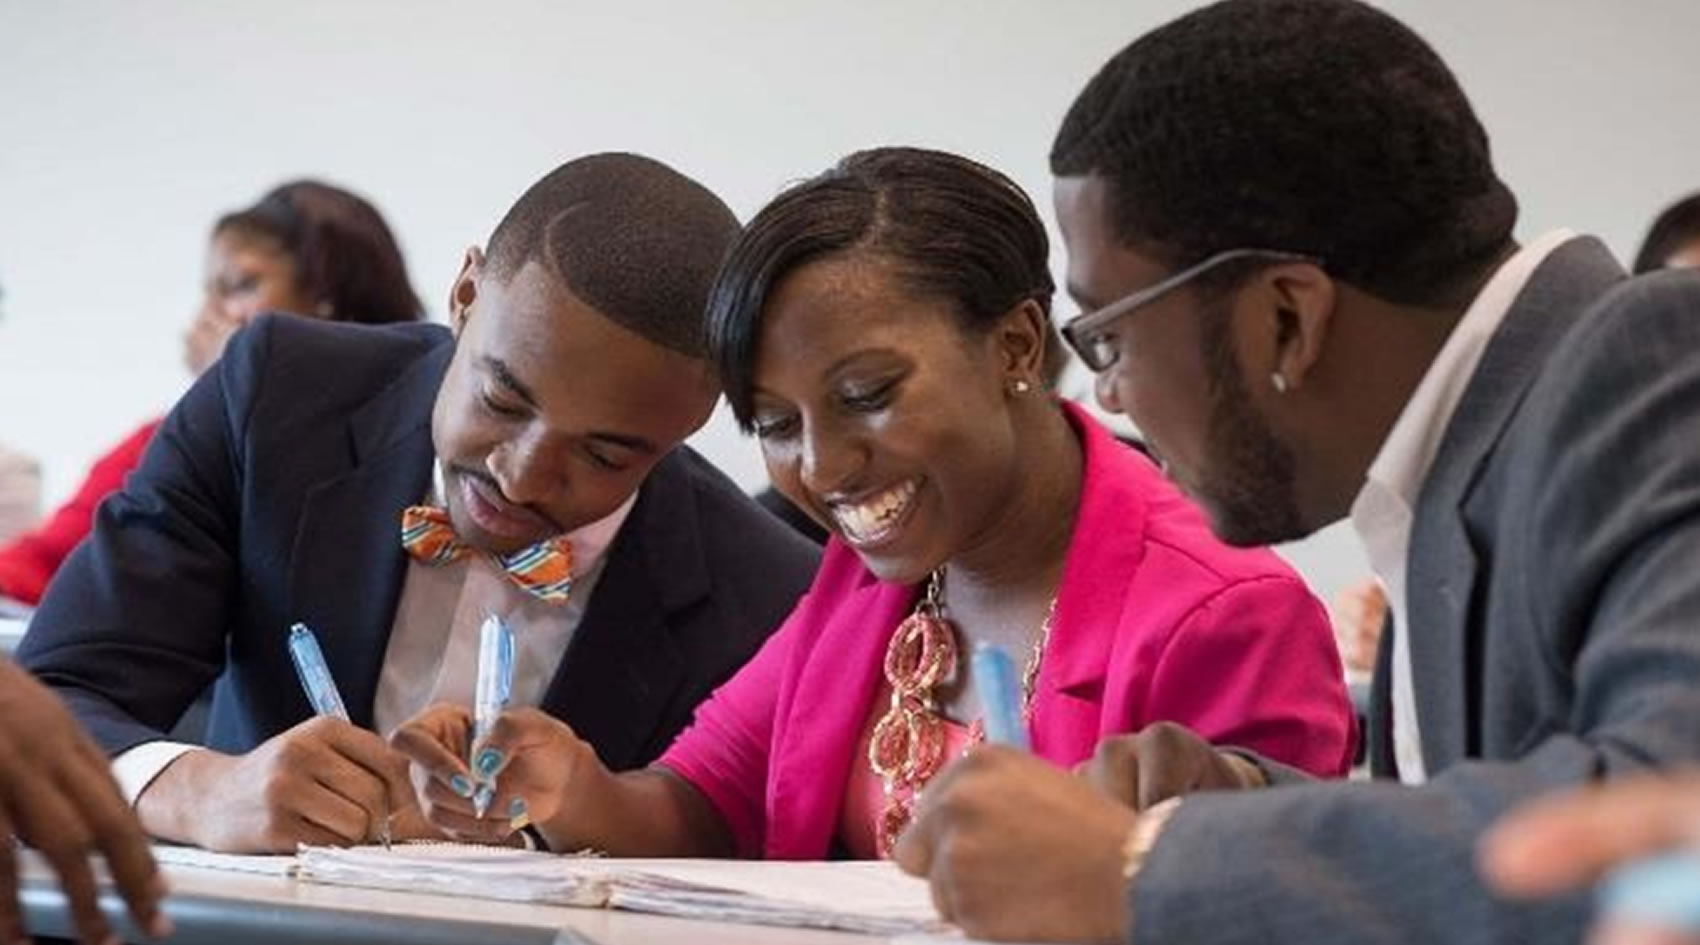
(390, 487)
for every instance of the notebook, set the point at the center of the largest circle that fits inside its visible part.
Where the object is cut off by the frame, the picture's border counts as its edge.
(871, 897)
(168, 855)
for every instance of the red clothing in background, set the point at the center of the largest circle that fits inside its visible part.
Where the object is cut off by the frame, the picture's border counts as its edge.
(28, 561)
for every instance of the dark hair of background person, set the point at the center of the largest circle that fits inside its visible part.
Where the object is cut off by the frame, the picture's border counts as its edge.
(1322, 127)
(633, 238)
(1674, 228)
(951, 228)
(344, 252)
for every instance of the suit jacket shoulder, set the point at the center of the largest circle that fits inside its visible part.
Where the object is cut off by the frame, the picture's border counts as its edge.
(198, 566)
(1552, 592)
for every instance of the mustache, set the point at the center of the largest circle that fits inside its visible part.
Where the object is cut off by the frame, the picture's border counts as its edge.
(457, 470)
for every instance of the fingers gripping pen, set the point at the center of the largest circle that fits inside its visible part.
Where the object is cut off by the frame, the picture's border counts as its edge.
(321, 691)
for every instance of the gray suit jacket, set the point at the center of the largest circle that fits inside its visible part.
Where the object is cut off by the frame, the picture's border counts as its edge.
(1554, 597)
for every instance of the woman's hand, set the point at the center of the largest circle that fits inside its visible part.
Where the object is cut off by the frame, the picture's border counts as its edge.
(204, 342)
(520, 774)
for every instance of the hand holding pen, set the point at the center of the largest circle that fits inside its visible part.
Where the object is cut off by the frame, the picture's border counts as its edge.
(492, 772)
(1000, 829)
(321, 691)
(324, 781)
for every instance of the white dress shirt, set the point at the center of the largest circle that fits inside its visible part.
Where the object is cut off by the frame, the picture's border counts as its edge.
(432, 654)
(1382, 512)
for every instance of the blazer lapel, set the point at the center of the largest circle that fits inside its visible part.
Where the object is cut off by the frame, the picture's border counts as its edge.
(1099, 573)
(1442, 564)
(347, 565)
(622, 668)
(833, 699)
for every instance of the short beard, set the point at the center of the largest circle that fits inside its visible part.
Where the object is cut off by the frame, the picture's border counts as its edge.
(1247, 483)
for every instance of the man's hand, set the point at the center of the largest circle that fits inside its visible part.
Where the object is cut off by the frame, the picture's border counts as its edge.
(523, 770)
(1165, 760)
(1017, 849)
(1564, 841)
(324, 782)
(57, 795)
(1571, 839)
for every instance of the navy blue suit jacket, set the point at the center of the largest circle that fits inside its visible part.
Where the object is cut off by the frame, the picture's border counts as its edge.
(273, 493)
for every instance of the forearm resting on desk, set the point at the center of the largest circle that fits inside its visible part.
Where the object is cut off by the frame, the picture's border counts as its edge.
(652, 812)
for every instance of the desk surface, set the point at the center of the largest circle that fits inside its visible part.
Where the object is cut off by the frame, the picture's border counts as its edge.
(211, 907)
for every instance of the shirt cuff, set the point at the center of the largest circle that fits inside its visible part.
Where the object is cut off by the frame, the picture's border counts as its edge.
(136, 768)
(1146, 829)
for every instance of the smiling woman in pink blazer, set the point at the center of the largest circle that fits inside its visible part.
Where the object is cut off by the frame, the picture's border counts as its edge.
(882, 330)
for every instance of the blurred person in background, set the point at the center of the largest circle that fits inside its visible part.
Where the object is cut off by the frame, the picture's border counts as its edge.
(306, 248)
(1673, 241)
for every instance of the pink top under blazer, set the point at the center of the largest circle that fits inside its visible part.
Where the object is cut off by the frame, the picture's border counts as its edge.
(1155, 619)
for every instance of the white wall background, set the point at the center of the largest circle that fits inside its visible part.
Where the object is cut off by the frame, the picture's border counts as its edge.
(125, 128)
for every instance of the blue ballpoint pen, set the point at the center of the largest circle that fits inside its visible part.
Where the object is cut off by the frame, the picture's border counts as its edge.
(321, 689)
(495, 687)
(1000, 696)
(1661, 892)
(315, 676)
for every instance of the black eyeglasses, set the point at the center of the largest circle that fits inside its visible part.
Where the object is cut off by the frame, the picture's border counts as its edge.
(1085, 332)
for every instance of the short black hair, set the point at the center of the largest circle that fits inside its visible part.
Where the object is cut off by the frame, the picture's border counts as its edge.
(344, 253)
(1676, 227)
(951, 228)
(1323, 127)
(635, 239)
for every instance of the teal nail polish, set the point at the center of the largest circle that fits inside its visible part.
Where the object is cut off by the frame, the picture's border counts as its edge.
(488, 761)
(516, 807)
(481, 800)
(460, 785)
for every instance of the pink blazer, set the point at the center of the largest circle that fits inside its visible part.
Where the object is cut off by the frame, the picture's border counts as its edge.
(1155, 619)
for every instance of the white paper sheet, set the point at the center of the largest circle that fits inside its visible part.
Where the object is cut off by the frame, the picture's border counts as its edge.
(168, 856)
(868, 897)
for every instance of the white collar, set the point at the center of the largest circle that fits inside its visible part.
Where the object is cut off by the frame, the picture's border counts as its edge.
(1406, 455)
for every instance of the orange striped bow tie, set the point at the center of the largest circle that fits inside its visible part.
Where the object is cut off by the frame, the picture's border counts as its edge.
(545, 570)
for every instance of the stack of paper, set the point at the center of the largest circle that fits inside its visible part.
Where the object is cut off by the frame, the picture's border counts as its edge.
(171, 855)
(872, 897)
(868, 897)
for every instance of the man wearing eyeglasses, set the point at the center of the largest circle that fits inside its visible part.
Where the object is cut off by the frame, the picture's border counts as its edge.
(1299, 277)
